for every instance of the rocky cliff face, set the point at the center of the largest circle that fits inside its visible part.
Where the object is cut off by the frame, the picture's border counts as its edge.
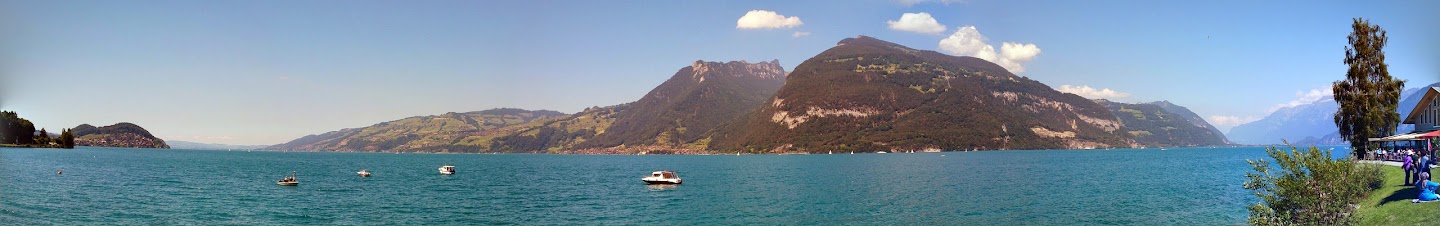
(869, 95)
(127, 135)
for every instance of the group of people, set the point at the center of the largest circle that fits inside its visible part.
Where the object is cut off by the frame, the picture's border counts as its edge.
(1418, 167)
(1393, 155)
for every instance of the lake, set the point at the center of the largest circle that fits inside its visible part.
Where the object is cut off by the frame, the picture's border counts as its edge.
(1184, 186)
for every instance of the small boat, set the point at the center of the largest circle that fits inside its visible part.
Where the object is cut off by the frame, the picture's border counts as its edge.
(662, 177)
(447, 169)
(288, 181)
(882, 152)
(363, 173)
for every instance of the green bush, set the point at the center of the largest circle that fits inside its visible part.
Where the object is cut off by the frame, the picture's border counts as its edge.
(1309, 187)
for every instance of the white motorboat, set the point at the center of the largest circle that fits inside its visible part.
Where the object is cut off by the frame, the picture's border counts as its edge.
(447, 169)
(662, 177)
(363, 173)
(288, 181)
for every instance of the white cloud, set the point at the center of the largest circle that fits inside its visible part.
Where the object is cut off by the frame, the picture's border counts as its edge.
(764, 19)
(799, 34)
(1225, 122)
(1305, 97)
(917, 22)
(967, 41)
(1016, 52)
(1092, 93)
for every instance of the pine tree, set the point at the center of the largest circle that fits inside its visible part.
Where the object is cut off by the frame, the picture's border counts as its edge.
(1368, 95)
(43, 139)
(67, 139)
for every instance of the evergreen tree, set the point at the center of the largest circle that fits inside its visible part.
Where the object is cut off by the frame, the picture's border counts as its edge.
(1368, 95)
(43, 139)
(67, 139)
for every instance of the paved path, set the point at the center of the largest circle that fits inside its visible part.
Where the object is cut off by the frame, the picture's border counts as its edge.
(1391, 163)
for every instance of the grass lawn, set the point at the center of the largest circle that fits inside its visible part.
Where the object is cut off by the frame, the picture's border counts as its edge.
(1390, 205)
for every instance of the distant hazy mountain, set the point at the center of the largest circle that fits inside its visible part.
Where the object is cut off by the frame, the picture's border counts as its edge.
(673, 117)
(122, 134)
(1164, 124)
(449, 132)
(869, 95)
(1311, 124)
(177, 144)
(1289, 123)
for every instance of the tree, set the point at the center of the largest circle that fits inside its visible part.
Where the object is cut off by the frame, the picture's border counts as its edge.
(43, 139)
(12, 129)
(67, 139)
(1368, 95)
(1309, 188)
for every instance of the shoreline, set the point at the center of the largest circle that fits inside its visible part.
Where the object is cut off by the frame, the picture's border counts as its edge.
(663, 153)
(732, 153)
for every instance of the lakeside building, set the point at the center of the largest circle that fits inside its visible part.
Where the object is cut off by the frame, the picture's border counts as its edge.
(1424, 116)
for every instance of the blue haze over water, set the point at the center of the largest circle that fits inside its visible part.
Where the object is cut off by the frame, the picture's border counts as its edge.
(1186, 186)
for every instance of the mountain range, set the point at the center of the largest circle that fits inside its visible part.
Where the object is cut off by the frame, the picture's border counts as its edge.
(1313, 123)
(444, 133)
(1164, 124)
(675, 117)
(863, 95)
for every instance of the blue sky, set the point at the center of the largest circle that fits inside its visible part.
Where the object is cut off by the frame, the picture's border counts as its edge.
(266, 72)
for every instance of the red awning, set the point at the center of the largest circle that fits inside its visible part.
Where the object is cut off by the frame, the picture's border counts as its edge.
(1430, 134)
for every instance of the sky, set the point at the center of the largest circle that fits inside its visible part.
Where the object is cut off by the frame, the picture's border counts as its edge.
(267, 72)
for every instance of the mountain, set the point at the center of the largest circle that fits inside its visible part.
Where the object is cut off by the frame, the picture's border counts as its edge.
(1289, 123)
(449, 132)
(177, 144)
(122, 134)
(1311, 124)
(1329, 139)
(672, 118)
(562, 135)
(868, 95)
(1164, 124)
(1408, 100)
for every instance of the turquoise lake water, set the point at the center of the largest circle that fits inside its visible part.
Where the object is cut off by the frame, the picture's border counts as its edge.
(1185, 186)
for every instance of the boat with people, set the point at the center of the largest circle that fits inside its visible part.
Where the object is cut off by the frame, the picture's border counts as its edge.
(288, 181)
(363, 173)
(662, 177)
(447, 169)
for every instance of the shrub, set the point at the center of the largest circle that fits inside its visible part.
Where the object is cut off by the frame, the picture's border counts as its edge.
(1309, 187)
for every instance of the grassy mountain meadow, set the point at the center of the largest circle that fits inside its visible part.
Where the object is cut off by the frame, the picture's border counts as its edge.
(863, 95)
(1163, 124)
(444, 133)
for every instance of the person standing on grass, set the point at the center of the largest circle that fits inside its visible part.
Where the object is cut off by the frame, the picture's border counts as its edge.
(1424, 164)
(1409, 167)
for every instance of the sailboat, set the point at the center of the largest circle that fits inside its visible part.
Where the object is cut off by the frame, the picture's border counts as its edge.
(288, 181)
